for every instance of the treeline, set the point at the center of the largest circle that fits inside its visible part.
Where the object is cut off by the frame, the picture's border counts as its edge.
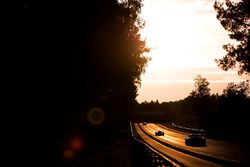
(223, 116)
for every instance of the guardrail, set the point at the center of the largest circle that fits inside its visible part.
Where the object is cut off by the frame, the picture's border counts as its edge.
(188, 129)
(146, 156)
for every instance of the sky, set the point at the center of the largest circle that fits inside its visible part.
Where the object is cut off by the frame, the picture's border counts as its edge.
(185, 38)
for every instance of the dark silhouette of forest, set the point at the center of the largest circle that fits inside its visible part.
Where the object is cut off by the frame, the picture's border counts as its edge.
(76, 75)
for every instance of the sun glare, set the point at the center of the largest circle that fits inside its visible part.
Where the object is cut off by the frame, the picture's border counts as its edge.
(173, 39)
(185, 39)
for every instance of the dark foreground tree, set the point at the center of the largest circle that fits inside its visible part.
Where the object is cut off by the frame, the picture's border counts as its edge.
(235, 18)
(77, 71)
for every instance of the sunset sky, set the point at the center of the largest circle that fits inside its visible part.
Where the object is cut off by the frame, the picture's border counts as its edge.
(185, 38)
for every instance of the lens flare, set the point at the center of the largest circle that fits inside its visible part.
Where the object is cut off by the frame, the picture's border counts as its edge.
(96, 116)
(68, 154)
(76, 143)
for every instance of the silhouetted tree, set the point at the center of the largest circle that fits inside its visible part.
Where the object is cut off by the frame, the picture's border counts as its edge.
(242, 89)
(78, 58)
(235, 18)
(201, 87)
(148, 106)
(117, 59)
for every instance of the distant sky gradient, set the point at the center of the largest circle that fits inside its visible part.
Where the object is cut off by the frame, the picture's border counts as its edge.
(185, 38)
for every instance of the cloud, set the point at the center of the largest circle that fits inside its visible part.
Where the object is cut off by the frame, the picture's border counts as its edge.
(226, 80)
(162, 81)
(203, 6)
(184, 76)
(219, 72)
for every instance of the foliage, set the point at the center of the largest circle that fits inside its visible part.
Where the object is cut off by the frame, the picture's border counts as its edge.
(241, 89)
(201, 87)
(90, 57)
(235, 18)
(149, 106)
(76, 58)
